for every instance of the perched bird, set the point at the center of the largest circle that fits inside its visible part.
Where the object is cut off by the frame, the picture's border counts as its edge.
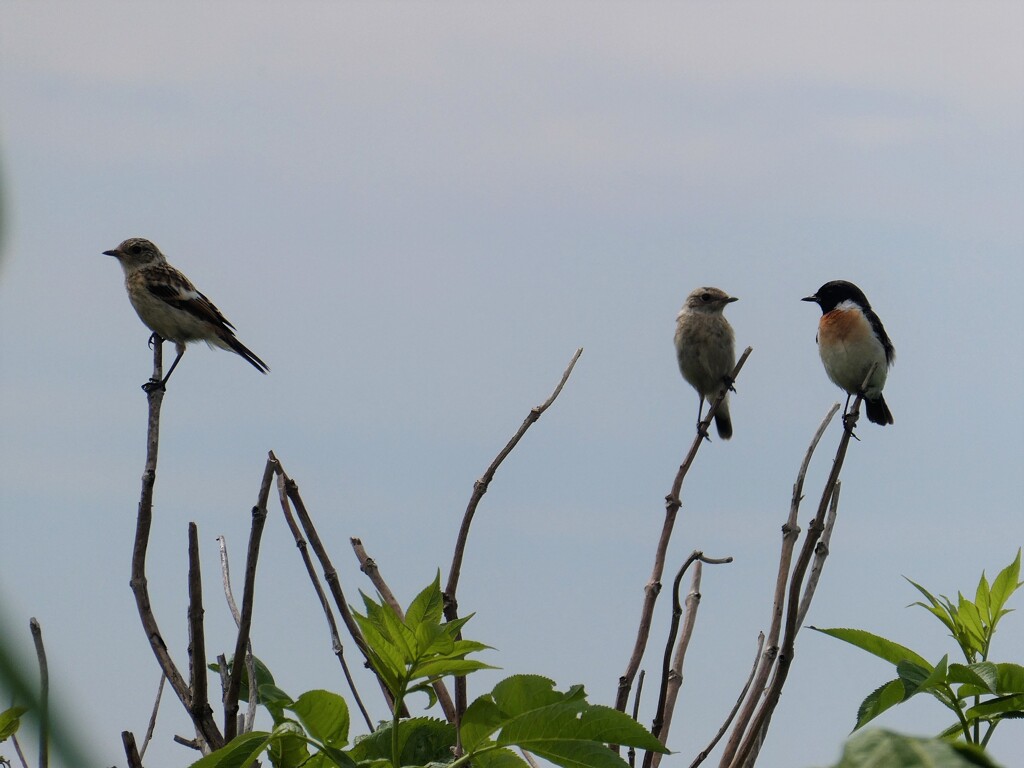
(705, 346)
(168, 303)
(850, 339)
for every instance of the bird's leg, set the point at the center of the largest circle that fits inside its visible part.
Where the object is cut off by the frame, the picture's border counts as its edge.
(154, 339)
(700, 412)
(728, 381)
(153, 384)
(849, 419)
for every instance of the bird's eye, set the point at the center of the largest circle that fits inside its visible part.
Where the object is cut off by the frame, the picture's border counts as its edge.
(705, 297)
(135, 250)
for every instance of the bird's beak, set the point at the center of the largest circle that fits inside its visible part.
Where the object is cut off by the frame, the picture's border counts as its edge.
(809, 298)
(731, 299)
(115, 253)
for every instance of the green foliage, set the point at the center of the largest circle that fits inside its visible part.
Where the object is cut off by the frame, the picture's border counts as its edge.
(409, 655)
(10, 721)
(870, 749)
(980, 693)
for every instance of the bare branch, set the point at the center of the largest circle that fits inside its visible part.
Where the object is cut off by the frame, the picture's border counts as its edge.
(44, 693)
(820, 553)
(451, 604)
(672, 505)
(758, 727)
(631, 751)
(210, 734)
(702, 756)
(790, 533)
(291, 489)
(200, 708)
(368, 566)
(130, 750)
(250, 662)
(152, 718)
(303, 547)
(259, 518)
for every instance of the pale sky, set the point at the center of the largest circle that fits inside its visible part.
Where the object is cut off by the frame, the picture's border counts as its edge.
(415, 213)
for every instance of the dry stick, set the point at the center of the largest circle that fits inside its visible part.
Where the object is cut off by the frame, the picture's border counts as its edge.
(130, 750)
(702, 755)
(291, 489)
(672, 505)
(631, 752)
(820, 553)
(250, 662)
(209, 733)
(369, 566)
(790, 533)
(758, 727)
(152, 718)
(303, 547)
(17, 748)
(259, 518)
(672, 668)
(44, 693)
(198, 681)
(451, 604)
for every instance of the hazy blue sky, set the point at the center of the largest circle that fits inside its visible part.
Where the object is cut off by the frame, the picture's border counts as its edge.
(415, 213)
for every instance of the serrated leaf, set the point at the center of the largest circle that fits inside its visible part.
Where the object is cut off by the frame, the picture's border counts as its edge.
(433, 670)
(981, 599)
(1001, 706)
(574, 721)
(421, 740)
(427, 607)
(499, 758)
(324, 715)
(885, 649)
(882, 698)
(876, 748)
(1004, 585)
(975, 679)
(522, 693)
(480, 722)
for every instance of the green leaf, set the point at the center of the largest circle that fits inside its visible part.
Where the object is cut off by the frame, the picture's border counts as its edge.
(973, 635)
(421, 740)
(499, 758)
(882, 698)
(481, 720)
(241, 751)
(892, 652)
(981, 599)
(1002, 706)
(288, 747)
(522, 693)
(10, 720)
(443, 667)
(427, 607)
(324, 715)
(976, 679)
(877, 748)
(1005, 584)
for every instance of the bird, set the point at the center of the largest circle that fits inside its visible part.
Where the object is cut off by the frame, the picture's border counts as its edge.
(851, 339)
(705, 348)
(171, 307)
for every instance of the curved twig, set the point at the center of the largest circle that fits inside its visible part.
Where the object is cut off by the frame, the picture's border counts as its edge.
(451, 605)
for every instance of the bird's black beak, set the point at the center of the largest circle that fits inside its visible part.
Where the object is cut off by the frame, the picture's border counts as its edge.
(731, 299)
(810, 298)
(115, 253)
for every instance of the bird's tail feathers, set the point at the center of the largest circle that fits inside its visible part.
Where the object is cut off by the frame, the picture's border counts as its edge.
(723, 421)
(878, 412)
(230, 342)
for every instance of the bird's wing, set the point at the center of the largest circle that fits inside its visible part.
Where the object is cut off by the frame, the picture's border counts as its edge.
(169, 285)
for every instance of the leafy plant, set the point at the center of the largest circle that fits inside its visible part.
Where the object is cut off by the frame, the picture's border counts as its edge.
(409, 655)
(981, 693)
(873, 748)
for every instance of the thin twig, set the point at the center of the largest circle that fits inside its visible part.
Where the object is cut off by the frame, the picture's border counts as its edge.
(44, 693)
(702, 756)
(451, 604)
(790, 534)
(672, 668)
(206, 727)
(758, 727)
(250, 662)
(17, 749)
(631, 752)
(152, 718)
(131, 752)
(672, 505)
(291, 489)
(198, 681)
(369, 566)
(303, 547)
(259, 518)
(820, 553)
